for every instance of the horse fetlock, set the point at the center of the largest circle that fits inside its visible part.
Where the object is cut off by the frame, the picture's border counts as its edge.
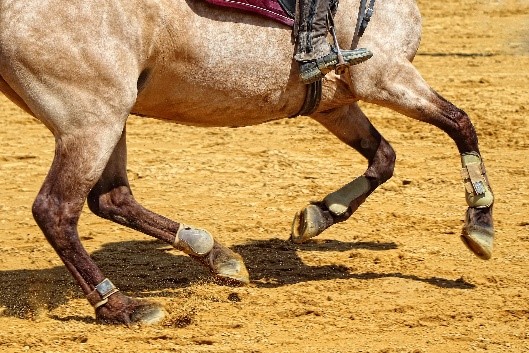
(339, 202)
(310, 222)
(101, 293)
(478, 192)
(193, 241)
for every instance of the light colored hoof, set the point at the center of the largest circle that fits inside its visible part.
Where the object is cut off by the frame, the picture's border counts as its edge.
(148, 314)
(227, 266)
(308, 223)
(233, 271)
(479, 240)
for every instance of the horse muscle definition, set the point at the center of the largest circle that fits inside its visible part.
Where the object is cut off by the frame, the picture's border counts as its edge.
(82, 67)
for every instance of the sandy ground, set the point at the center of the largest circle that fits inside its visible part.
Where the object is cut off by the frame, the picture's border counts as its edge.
(394, 278)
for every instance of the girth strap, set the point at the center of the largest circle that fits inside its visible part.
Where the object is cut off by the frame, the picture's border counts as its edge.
(312, 99)
(313, 92)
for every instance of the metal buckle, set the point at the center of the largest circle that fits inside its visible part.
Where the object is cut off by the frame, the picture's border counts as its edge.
(99, 296)
(479, 187)
(106, 288)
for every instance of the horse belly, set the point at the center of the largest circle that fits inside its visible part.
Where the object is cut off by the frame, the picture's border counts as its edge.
(210, 105)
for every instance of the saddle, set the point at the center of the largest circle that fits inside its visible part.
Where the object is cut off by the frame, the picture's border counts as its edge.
(282, 11)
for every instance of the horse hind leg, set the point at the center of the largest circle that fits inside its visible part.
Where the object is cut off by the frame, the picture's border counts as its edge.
(353, 128)
(111, 198)
(404, 90)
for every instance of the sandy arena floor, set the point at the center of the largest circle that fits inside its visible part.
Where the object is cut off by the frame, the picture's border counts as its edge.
(394, 278)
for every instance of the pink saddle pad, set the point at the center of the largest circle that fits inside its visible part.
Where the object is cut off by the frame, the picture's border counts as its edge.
(267, 8)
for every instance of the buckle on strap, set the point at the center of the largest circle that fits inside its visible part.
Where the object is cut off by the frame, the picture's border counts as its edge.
(477, 188)
(99, 296)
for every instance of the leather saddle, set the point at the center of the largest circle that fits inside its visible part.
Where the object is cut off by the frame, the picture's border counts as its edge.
(282, 11)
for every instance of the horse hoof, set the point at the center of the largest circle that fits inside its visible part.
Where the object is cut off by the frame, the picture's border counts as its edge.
(308, 223)
(233, 272)
(148, 313)
(228, 266)
(479, 240)
(121, 309)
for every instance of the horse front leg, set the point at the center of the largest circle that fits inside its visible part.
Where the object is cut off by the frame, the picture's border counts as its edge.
(80, 157)
(111, 198)
(353, 128)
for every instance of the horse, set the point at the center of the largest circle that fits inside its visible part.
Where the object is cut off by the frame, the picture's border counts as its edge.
(82, 68)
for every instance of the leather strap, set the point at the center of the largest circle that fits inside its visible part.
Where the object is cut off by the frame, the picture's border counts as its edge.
(289, 6)
(312, 99)
(365, 15)
(99, 296)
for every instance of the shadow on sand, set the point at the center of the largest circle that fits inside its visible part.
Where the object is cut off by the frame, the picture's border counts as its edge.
(153, 269)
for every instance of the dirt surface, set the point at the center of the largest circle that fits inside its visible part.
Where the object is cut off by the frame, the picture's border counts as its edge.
(394, 278)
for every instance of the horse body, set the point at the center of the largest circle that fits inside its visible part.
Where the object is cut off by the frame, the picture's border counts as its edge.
(226, 73)
(240, 71)
(237, 67)
(82, 67)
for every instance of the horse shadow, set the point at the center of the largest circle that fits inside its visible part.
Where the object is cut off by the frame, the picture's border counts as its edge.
(154, 269)
(275, 262)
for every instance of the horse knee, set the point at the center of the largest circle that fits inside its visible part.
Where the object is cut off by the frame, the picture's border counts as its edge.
(389, 163)
(42, 211)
